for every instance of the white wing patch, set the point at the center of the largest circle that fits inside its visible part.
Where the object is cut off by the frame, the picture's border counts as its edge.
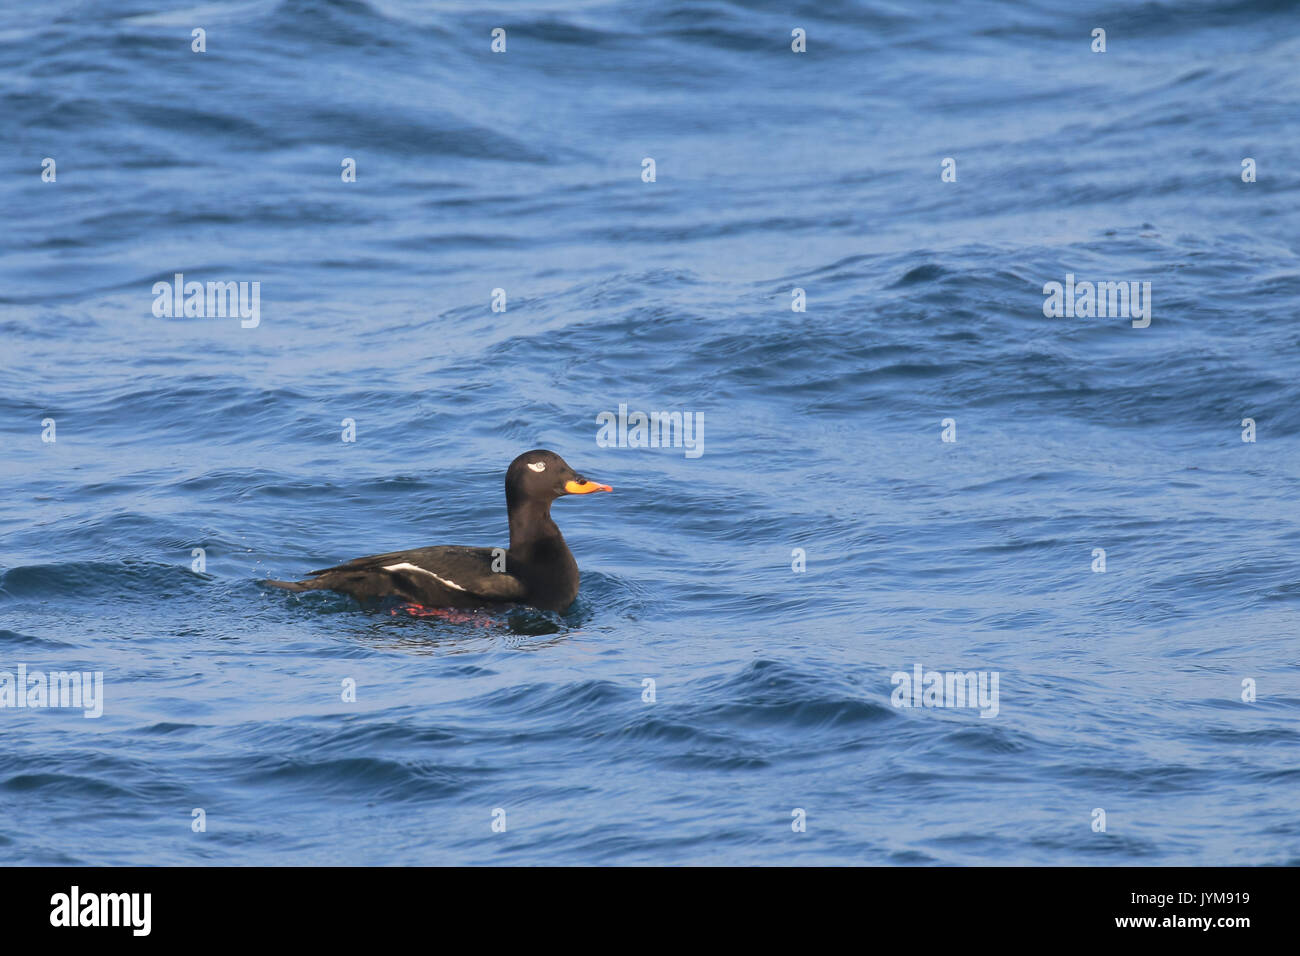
(537, 465)
(406, 566)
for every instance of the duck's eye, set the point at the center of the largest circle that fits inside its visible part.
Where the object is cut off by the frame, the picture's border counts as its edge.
(537, 465)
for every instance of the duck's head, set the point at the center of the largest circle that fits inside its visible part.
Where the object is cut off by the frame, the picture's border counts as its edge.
(544, 476)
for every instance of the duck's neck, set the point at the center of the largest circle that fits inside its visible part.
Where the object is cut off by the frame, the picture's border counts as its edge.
(540, 558)
(531, 525)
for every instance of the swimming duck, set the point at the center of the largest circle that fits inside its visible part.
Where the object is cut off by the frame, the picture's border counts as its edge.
(537, 569)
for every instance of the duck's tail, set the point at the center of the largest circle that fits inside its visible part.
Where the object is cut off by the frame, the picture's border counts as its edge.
(294, 585)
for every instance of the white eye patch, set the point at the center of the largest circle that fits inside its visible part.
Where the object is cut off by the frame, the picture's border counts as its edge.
(537, 465)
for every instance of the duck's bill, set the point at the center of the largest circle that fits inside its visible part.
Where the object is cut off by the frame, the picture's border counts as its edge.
(581, 486)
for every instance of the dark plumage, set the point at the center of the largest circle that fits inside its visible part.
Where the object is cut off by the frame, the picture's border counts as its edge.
(538, 569)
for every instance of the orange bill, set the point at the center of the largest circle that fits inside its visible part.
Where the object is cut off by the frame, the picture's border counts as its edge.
(581, 486)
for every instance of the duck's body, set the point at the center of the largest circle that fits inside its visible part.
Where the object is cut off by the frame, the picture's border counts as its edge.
(537, 569)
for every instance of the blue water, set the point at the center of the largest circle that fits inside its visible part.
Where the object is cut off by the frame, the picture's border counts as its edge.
(1119, 690)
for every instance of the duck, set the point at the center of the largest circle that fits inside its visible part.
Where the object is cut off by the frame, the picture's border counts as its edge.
(537, 570)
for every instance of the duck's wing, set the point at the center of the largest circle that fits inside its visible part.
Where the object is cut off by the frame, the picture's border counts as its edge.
(448, 576)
